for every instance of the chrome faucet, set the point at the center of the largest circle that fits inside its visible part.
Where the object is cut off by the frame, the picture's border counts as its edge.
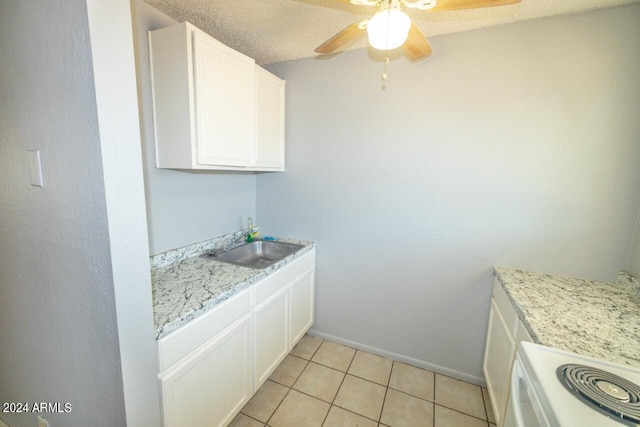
(251, 228)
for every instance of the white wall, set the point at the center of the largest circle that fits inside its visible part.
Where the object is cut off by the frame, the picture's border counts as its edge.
(59, 336)
(110, 28)
(514, 146)
(183, 207)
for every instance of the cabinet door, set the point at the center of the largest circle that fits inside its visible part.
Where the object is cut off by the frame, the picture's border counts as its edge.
(498, 359)
(271, 320)
(225, 111)
(212, 384)
(302, 300)
(269, 120)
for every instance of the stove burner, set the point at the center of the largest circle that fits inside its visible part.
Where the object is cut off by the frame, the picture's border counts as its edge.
(614, 391)
(610, 394)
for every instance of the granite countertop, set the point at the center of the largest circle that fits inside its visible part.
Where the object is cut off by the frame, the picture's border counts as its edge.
(597, 319)
(186, 285)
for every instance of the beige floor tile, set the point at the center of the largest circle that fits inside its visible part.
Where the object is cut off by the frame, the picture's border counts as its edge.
(371, 367)
(306, 347)
(338, 417)
(361, 396)
(243, 421)
(446, 417)
(487, 405)
(411, 380)
(265, 401)
(289, 370)
(403, 410)
(460, 395)
(319, 381)
(299, 410)
(335, 356)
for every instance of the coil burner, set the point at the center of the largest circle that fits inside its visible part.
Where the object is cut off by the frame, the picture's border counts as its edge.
(608, 393)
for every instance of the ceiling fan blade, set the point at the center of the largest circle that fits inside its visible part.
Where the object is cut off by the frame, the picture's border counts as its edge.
(341, 38)
(416, 45)
(444, 5)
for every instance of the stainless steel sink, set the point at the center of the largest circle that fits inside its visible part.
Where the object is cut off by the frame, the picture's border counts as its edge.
(258, 254)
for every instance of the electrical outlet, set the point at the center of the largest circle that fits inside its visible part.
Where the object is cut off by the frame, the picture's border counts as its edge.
(42, 422)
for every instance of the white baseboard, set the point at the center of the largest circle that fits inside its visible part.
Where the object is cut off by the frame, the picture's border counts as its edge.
(400, 358)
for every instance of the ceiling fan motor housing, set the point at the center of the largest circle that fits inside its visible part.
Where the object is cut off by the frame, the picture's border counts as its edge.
(420, 4)
(402, 32)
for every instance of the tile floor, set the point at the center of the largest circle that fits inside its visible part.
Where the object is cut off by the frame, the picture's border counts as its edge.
(321, 383)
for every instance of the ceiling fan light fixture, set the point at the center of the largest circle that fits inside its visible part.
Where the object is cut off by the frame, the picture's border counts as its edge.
(388, 29)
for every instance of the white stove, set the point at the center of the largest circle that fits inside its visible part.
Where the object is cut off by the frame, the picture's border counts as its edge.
(556, 388)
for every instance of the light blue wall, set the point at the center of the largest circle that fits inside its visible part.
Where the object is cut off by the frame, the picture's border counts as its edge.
(183, 207)
(515, 146)
(58, 336)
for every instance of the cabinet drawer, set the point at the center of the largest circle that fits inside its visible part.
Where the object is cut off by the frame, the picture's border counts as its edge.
(504, 306)
(181, 342)
(269, 285)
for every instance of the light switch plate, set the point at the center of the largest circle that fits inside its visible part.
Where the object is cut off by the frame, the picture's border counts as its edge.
(35, 168)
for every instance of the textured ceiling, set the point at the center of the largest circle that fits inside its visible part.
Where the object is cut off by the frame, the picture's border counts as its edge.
(279, 30)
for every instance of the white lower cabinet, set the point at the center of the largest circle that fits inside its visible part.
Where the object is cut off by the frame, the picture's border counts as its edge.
(271, 329)
(210, 386)
(504, 332)
(302, 303)
(499, 351)
(211, 367)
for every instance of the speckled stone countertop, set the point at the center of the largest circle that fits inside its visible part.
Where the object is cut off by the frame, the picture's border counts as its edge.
(588, 317)
(186, 285)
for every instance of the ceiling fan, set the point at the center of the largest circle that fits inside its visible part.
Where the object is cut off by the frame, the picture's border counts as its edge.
(390, 27)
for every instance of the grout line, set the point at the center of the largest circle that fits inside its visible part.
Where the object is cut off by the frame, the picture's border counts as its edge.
(384, 399)
(434, 398)
(317, 349)
(486, 413)
(360, 415)
(306, 363)
(324, 420)
(310, 395)
(278, 407)
(339, 387)
(457, 410)
(345, 376)
(291, 388)
(249, 416)
(460, 412)
(412, 395)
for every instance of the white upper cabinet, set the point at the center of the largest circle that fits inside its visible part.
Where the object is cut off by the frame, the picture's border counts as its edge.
(224, 103)
(213, 107)
(269, 120)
